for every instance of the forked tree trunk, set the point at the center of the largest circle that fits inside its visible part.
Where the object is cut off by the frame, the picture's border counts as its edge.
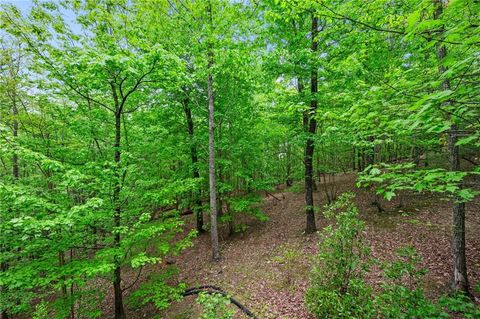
(460, 279)
(311, 124)
(211, 148)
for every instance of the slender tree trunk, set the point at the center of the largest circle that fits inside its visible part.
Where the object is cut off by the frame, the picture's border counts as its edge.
(15, 170)
(359, 159)
(312, 128)
(354, 157)
(117, 275)
(61, 262)
(288, 179)
(117, 215)
(118, 295)
(72, 304)
(219, 178)
(371, 152)
(211, 148)
(363, 160)
(460, 279)
(194, 158)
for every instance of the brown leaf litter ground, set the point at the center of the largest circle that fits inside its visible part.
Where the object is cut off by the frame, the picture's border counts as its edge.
(266, 266)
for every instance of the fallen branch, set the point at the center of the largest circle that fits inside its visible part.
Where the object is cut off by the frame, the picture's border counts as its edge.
(470, 160)
(270, 194)
(209, 289)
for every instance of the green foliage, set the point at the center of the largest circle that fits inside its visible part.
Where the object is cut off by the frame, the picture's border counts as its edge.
(402, 294)
(459, 304)
(94, 104)
(240, 228)
(289, 260)
(248, 205)
(41, 311)
(337, 288)
(157, 291)
(388, 179)
(215, 306)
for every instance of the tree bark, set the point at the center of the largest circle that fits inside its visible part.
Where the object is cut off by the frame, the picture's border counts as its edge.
(354, 158)
(61, 262)
(312, 128)
(460, 278)
(15, 170)
(211, 148)
(288, 178)
(194, 158)
(370, 156)
(117, 215)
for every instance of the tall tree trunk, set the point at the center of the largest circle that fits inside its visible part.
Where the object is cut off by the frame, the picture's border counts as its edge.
(460, 279)
(354, 157)
(371, 151)
(363, 159)
(72, 288)
(117, 215)
(118, 294)
(211, 147)
(61, 263)
(194, 158)
(359, 159)
(15, 171)
(288, 178)
(117, 275)
(312, 128)
(219, 178)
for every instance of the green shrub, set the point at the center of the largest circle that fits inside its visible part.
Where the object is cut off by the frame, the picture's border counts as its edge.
(461, 305)
(157, 290)
(337, 281)
(355, 303)
(215, 306)
(41, 311)
(337, 288)
(288, 260)
(402, 294)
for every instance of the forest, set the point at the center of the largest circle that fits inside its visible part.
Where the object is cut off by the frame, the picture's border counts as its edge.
(220, 159)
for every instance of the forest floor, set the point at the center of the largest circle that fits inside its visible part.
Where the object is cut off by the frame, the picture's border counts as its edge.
(254, 272)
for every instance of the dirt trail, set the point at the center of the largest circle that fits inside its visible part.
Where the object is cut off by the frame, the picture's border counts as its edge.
(273, 287)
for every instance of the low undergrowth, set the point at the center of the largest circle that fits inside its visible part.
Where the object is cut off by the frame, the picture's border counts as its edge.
(338, 286)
